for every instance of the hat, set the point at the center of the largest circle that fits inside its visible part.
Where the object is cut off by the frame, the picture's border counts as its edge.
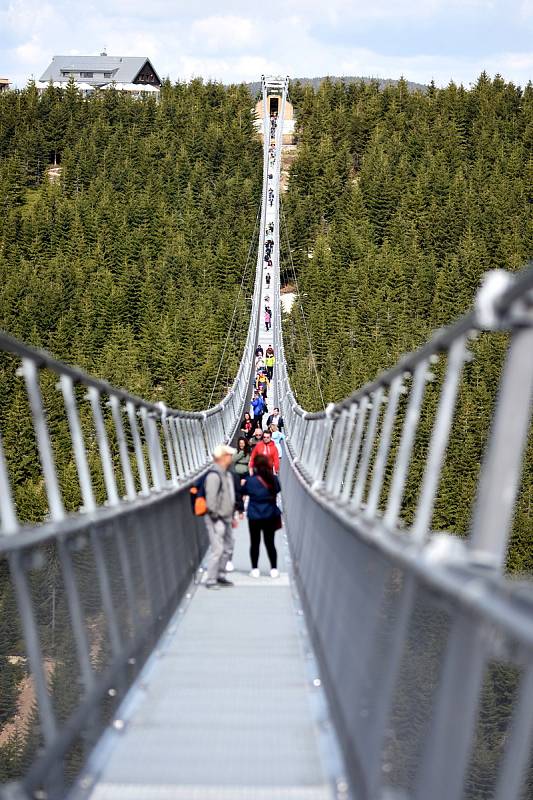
(223, 450)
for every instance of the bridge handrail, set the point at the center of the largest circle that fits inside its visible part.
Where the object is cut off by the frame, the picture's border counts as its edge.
(43, 358)
(504, 304)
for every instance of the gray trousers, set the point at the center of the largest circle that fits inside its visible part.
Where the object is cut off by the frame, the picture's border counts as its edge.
(221, 542)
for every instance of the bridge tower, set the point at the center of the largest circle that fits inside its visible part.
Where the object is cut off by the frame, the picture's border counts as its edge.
(274, 89)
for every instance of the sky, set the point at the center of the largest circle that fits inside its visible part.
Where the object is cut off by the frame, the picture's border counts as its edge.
(239, 40)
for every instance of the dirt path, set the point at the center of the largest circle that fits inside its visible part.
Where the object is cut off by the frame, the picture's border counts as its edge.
(25, 704)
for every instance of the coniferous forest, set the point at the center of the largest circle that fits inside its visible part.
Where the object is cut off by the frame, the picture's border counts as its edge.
(129, 264)
(127, 260)
(398, 203)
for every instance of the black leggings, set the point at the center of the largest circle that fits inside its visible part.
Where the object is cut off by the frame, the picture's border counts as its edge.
(267, 526)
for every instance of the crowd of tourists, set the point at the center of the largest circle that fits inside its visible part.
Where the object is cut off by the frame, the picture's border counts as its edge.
(243, 480)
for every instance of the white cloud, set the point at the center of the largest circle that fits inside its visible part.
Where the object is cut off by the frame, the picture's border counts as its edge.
(338, 11)
(229, 70)
(23, 17)
(223, 34)
(297, 37)
(31, 52)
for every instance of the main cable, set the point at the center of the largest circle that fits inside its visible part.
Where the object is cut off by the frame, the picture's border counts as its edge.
(241, 287)
(308, 335)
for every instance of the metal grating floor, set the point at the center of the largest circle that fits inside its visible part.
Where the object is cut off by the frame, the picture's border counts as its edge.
(224, 712)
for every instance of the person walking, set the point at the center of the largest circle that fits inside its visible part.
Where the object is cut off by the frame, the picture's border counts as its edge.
(268, 319)
(270, 360)
(258, 405)
(267, 279)
(275, 419)
(247, 425)
(277, 437)
(256, 439)
(239, 470)
(264, 516)
(262, 383)
(259, 351)
(268, 449)
(220, 502)
(241, 457)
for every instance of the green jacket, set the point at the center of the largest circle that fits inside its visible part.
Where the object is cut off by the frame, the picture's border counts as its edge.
(241, 460)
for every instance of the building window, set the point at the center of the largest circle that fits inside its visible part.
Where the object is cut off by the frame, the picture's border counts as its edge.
(86, 74)
(107, 74)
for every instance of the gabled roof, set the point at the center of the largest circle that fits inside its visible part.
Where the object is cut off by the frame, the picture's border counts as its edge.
(123, 69)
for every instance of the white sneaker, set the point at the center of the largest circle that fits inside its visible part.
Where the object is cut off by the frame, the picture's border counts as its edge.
(229, 566)
(274, 573)
(255, 573)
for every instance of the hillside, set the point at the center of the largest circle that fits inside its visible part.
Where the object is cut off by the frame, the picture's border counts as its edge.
(315, 83)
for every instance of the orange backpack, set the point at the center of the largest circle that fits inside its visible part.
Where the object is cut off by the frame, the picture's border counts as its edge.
(197, 492)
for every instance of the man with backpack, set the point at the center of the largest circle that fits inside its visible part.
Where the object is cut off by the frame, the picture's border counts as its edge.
(220, 502)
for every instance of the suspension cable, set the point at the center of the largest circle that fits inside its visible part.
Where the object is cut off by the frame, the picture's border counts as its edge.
(308, 335)
(241, 287)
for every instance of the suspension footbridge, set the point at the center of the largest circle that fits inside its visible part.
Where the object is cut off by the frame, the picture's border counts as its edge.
(361, 671)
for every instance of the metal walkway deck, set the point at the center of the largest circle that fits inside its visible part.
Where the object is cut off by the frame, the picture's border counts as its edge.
(224, 710)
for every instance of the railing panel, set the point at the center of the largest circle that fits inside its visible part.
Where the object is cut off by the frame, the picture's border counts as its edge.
(393, 636)
(92, 603)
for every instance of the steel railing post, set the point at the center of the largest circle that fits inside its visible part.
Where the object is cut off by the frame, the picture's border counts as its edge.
(8, 515)
(364, 463)
(439, 440)
(502, 465)
(172, 421)
(106, 459)
(378, 472)
(403, 458)
(168, 446)
(44, 446)
(138, 448)
(354, 450)
(129, 483)
(78, 444)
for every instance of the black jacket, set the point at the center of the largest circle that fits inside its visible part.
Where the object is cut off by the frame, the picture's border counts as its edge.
(280, 422)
